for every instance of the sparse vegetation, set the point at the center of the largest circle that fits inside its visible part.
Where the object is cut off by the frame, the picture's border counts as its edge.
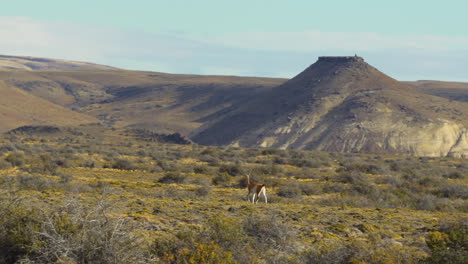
(82, 199)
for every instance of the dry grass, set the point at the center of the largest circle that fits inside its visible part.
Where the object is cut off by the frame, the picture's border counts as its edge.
(348, 208)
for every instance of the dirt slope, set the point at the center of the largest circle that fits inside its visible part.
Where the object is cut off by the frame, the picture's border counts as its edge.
(19, 108)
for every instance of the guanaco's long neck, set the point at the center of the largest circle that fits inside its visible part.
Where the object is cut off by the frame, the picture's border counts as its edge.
(248, 180)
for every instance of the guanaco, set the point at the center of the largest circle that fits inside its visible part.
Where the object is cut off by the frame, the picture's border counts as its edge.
(255, 189)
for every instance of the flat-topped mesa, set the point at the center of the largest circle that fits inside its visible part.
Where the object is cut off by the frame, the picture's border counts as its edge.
(340, 59)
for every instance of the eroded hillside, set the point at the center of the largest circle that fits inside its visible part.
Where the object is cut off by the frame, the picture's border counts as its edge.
(344, 104)
(150, 100)
(337, 104)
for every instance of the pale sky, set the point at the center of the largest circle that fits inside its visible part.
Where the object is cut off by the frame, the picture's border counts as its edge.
(409, 40)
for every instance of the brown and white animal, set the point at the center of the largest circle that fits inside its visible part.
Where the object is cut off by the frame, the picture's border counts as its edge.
(255, 189)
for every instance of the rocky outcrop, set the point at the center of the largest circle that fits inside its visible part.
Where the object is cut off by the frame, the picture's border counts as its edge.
(460, 148)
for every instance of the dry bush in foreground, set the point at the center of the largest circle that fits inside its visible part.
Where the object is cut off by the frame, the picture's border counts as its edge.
(71, 234)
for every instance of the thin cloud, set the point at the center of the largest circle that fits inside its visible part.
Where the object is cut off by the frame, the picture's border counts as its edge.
(270, 54)
(313, 40)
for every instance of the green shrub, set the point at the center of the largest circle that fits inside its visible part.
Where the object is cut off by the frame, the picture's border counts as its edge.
(209, 253)
(213, 244)
(18, 225)
(449, 245)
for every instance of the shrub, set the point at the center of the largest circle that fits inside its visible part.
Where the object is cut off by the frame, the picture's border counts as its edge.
(453, 191)
(212, 244)
(200, 169)
(393, 180)
(227, 232)
(430, 202)
(203, 191)
(308, 163)
(232, 170)
(272, 151)
(269, 233)
(364, 168)
(351, 177)
(242, 182)
(4, 164)
(65, 178)
(69, 235)
(308, 188)
(123, 164)
(17, 225)
(205, 253)
(365, 188)
(76, 234)
(455, 175)
(334, 255)
(16, 159)
(184, 249)
(172, 177)
(335, 188)
(448, 244)
(221, 178)
(34, 182)
(291, 190)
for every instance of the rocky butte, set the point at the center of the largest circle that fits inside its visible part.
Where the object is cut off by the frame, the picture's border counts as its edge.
(344, 104)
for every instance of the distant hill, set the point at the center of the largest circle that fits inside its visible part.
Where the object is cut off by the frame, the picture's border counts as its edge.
(19, 108)
(344, 104)
(165, 103)
(34, 63)
(337, 104)
(451, 90)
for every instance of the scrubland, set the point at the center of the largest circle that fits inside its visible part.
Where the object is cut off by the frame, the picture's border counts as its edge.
(87, 199)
